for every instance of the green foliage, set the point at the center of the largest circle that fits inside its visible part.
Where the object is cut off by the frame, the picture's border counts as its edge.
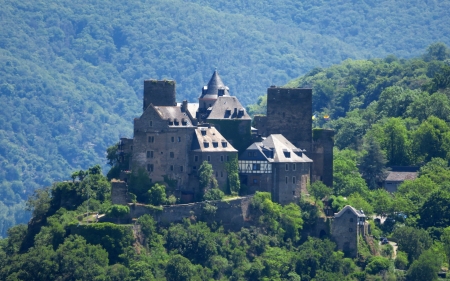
(118, 211)
(412, 241)
(232, 169)
(401, 261)
(346, 176)
(425, 267)
(319, 190)
(113, 238)
(372, 164)
(179, 268)
(39, 202)
(285, 221)
(213, 194)
(157, 194)
(435, 210)
(205, 173)
(139, 183)
(377, 264)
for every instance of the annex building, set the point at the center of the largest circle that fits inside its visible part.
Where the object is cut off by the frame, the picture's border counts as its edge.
(279, 154)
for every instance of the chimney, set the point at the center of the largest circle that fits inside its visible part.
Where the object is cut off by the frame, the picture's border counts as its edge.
(184, 106)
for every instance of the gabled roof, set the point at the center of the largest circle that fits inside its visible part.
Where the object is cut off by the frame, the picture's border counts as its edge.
(212, 89)
(228, 107)
(210, 140)
(350, 208)
(174, 114)
(401, 176)
(276, 148)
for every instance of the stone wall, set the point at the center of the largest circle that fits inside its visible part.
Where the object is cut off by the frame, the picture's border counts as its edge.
(322, 156)
(119, 192)
(233, 214)
(159, 93)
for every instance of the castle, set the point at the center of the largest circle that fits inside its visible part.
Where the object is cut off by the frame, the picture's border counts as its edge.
(280, 154)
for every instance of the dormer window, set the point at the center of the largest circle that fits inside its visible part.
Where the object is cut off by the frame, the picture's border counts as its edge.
(215, 144)
(224, 144)
(205, 144)
(203, 132)
(286, 153)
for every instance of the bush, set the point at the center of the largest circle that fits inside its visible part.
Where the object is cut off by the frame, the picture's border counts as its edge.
(118, 211)
(401, 261)
(377, 264)
(213, 194)
(157, 194)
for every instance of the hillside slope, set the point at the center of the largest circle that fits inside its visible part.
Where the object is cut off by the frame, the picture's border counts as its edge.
(71, 73)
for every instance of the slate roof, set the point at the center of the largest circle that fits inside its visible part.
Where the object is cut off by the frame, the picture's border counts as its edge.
(210, 140)
(228, 107)
(174, 113)
(401, 176)
(211, 90)
(276, 148)
(359, 213)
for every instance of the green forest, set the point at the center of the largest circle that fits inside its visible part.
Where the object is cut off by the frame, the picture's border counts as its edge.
(71, 73)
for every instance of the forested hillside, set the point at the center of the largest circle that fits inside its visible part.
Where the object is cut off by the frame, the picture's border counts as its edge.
(71, 73)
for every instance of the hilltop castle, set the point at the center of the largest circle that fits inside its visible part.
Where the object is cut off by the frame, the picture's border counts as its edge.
(280, 154)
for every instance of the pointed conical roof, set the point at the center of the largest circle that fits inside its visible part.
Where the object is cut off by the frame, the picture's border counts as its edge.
(212, 89)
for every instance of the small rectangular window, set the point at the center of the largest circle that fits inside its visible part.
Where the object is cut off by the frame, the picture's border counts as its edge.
(221, 174)
(228, 158)
(293, 180)
(150, 168)
(195, 158)
(172, 139)
(194, 168)
(151, 124)
(149, 154)
(171, 167)
(221, 158)
(181, 168)
(172, 155)
(287, 167)
(179, 139)
(293, 167)
(151, 139)
(217, 174)
(286, 179)
(209, 158)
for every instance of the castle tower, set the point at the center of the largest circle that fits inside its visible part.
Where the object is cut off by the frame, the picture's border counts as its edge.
(289, 112)
(159, 93)
(214, 89)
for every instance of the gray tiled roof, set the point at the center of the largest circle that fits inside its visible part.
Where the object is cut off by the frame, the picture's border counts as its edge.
(172, 113)
(214, 84)
(210, 140)
(228, 107)
(352, 209)
(279, 145)
(401, 176)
